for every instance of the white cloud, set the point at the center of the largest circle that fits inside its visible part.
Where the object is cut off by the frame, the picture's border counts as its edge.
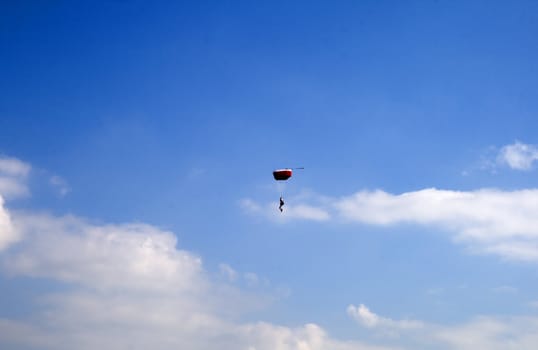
(264, 336)
(491, 221)
(492, 333)
(106, 257)
(8, 234)
(482, 332)
(13, 188)
(128, 286)
(144, 334)
(13, 167)
(368, 319)
(13, 174)
(515, 156)
(518, 156)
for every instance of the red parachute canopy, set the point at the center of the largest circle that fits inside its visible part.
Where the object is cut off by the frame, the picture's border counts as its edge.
(282, 174)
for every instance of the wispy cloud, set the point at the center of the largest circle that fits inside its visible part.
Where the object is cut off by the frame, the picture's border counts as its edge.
(368, 319)
(495, 333)
(60, 184)
(489, 221)
(518, 156)
(228, 272)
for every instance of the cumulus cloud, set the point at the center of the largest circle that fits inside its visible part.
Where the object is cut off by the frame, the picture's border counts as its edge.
(106, 257)
(128, 286)
(13, 174)
(518, 156)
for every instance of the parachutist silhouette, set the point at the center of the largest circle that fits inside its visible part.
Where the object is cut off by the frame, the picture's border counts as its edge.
(283, 175)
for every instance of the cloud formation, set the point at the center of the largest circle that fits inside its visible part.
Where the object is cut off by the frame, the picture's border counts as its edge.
(13, 167)
(128, 286)
(489, 221)
(495, 333)
(368, 319)
(105, 257)
(8, 234)
(518, 156)
(13, 174)
(482, 332)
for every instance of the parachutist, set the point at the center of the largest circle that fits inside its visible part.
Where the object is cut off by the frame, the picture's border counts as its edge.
(283, 175)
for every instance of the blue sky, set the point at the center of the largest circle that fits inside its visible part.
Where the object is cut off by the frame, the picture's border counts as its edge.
(128, 125)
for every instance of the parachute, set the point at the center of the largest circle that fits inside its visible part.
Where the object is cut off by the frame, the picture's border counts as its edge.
(283, 175)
